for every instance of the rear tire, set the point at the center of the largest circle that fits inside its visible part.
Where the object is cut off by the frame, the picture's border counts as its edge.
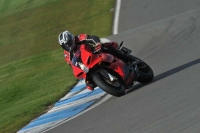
(99, 79)
(146, 74)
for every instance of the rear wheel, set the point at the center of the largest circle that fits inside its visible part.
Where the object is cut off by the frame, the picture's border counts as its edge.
(111, 84)
(146, 74)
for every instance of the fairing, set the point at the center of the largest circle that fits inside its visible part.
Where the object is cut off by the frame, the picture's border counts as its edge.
(85, 56)
(121, 68)
(78, 72)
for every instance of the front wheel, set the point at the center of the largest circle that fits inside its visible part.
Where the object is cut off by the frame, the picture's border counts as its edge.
(114, 87)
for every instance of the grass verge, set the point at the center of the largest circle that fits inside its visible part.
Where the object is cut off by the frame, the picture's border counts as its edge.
(31, 31)
(30, 86)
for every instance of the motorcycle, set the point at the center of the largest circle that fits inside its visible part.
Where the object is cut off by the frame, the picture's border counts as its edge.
(111, 74)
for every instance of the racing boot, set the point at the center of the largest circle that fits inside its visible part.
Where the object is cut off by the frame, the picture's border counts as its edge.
(90, 86)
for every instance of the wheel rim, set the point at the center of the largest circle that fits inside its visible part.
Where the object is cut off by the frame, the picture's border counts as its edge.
(143, 67)
(115, 83)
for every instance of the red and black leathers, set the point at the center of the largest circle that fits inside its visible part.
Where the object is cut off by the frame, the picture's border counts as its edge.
(84, 38)
(111, 47)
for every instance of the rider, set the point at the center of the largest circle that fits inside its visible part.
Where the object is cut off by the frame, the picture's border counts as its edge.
(70, 44)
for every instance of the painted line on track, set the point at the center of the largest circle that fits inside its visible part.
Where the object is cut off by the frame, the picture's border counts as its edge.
(116, 19)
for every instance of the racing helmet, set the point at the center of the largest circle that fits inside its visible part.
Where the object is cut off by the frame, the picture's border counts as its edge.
(66, 40)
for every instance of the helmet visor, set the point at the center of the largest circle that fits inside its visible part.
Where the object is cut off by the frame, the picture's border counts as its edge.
(70, 40)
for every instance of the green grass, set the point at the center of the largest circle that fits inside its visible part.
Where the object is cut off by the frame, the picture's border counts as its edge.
(30, 85)
(33, 73)
(11, 7)
(35, 30)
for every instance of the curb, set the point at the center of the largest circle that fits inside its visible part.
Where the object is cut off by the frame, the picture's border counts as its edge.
(78, 101)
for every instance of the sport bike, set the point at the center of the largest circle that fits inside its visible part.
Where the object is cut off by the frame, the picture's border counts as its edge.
(111, 74)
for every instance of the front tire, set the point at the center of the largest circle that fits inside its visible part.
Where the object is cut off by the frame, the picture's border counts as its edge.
(102, 82)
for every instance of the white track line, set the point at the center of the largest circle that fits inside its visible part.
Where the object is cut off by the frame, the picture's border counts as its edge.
(116, 19)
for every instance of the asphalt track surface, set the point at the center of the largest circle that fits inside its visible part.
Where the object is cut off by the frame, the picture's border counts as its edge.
(166, 35)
